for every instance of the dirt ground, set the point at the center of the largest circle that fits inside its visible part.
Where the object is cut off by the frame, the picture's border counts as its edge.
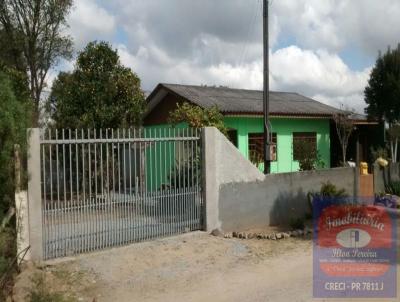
(191, 267)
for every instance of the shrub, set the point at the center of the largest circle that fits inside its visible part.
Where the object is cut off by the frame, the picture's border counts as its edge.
(197, 117)
(330, 190)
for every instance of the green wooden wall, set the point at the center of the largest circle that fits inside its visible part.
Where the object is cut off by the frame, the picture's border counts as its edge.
(284, 127)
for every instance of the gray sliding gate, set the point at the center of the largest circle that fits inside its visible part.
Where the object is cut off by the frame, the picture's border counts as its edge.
(105, 188)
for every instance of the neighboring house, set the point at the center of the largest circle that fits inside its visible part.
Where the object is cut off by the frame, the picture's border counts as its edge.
(294, 118)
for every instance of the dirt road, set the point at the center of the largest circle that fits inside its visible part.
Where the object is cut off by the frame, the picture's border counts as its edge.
(192, 267)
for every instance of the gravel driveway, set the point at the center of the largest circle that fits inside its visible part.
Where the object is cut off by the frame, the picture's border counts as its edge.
(190, 267)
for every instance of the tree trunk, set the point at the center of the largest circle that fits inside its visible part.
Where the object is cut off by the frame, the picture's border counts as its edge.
(344, 155)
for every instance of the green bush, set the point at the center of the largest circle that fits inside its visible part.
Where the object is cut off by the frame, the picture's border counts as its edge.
(327, 190)
(330, 190)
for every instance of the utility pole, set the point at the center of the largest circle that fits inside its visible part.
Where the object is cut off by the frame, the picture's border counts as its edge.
(267, 132)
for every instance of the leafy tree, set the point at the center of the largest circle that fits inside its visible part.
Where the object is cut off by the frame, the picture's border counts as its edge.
(197, 117)
(382, 94)
(98, 93)
(33, 30)
(14, 119)
(344, 128)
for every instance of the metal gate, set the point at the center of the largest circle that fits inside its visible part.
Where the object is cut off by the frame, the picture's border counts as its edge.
(105, 188)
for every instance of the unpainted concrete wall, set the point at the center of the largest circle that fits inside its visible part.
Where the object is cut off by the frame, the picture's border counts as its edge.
(239, 197)
(277, 199)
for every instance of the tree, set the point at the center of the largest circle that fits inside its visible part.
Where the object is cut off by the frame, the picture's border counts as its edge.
(344, 128)
(382, 94)
(197, 117)
(34, 28)
(14, 119)
(98, 93)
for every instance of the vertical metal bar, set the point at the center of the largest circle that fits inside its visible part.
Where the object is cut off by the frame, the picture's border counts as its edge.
(130, 204)
(139, 193)
(180, 204)
(95, 206)
(51, 190)
(199, 185)
(114, 233)
(45, 221)
(136, 179)
(150, 194)
(158, 182)
(125, 214)
(78, 217)
(189, 191)
(89, 203)
(65, 222)
(163, 163)
(57, 224)
(176, 179)
(72, 210)
(148, 189)
(103, 212)
(109, 216)
(119, 232)
(185, 179)
(84, 222)
(168, 181)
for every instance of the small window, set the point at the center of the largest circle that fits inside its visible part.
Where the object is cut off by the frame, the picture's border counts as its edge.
(301, 138)
(256, 147)
(232, 136)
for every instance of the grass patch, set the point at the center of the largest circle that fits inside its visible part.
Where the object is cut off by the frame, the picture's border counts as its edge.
(40, 292)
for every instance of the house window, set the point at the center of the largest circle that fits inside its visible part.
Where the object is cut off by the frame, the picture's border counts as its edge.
(256, 147)
(232, 136)
(300, 138)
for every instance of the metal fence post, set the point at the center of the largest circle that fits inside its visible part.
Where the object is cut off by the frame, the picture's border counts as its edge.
(34, 195)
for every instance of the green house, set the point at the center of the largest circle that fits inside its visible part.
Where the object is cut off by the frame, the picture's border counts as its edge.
(294, 118)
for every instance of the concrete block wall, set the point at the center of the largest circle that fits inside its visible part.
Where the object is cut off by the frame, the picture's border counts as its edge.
(239, 197)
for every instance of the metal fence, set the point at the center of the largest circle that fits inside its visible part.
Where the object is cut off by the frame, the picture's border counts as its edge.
(104, 188)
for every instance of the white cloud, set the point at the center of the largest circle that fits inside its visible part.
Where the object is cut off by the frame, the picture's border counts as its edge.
(318, 74)
(219, 42)
(365, 25)
(89, 21)
(315, 72)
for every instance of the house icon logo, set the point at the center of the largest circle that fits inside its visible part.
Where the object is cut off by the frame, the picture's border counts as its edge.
(353, 238)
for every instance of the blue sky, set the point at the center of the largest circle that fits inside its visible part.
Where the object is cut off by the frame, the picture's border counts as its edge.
(324, 49)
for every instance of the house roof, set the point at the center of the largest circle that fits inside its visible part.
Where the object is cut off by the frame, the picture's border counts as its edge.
(241, 101)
